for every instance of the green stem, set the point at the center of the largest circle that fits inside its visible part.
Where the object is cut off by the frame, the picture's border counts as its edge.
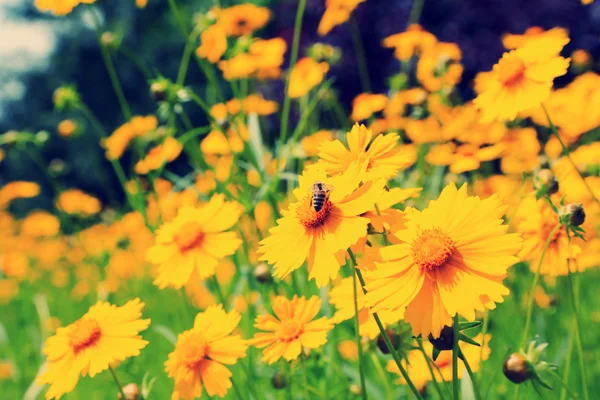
(114, 375)
(484, 330)
(136, 61)
(283, 127)
(236, 389)
(415, 12)
(563, 384)
(567, 154)
(361, 60)
(578, 342)
(536, 278)
(185, 58)
(385, 336)
(180, 21)
(474, 382)
(361, 371)
(382, 376)
(433, 378)
(455, 350)
(289, 379)
(220, 296)
(567, 368)
(305, 377)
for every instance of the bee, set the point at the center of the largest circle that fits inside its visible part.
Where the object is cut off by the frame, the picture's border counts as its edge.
(320, 193)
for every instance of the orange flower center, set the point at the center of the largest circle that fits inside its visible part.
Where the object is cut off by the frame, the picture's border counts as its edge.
(195, 353)
(510, 70)
(432, 248)
(289, 330)
(189, 236)
(310, 218)
(87, 332)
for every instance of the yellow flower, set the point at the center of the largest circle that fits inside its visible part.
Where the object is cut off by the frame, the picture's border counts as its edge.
(451, 258)
(306, 74)
(513, 41)
(336, 13)
(521, 154)
(201, 353)
(415, 40)
(366, 104)
(268, 56)
(74, 201)
(263, 215)
(88, 346)
(243, 19)
(7, 369)
(166, 152)
(213, 43)
(463, 158)
(17, 190)
(291, 328)
(256, 103)
(311, 143)
(67, 128)
(117, 142)
(240, 66)
(195, 241)
(439, 67)
(141, 3)
(57, 7)
(40, 224)
(321, 237)
(385, 157)
(522, 79)
(348, 349)
(581, 58)
(9, 288)
(416, 364)
(342, 297)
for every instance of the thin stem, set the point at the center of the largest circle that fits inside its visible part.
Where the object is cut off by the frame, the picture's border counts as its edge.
(185, 58)
(484, 330)
(474, 382)
(433, 377)
(536, 278)
(574, 302)
(361, 60)
(382, 376)
(220, 296)
(385, 336)
(114, 375)
(283, 127)
(361, 371)
(567, 154)
(237, 390)
(289, 379)
(415, 12)
(180, 21)
(114, 80)
(455, 350)
(567, 368)
(305, 377)
(563, 384)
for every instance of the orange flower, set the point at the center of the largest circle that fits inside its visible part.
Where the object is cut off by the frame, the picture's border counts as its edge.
(291, 329)
(268, 56)
(17, 190)
(322, 236)
(311, 143)
(243, 19)
(439, 67)
(40, 224)
(451, 258)
(463, 158)
(305, 75)
(240, 66)
(415, 40)
(366, 104)
(74, 201)
(256, 103)
(512, 41)
(201, 353)
(213, 43)
(166, 152)
(66, 128)
(336, 13)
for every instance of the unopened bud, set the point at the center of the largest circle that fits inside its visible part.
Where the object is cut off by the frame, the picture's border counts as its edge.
(278, 380)
(355, 389)
(445, 341)
(575, 214)
(262, 273)
(158, 91)
(107, 39)
(381, 342)
(546, 182)
(516, 368)
(131, 392)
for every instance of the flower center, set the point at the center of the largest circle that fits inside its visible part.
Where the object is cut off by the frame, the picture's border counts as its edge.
(305, 212)
(510, 70)
(189, 236)
(289, 330)
(432, 248)
(86, 333)
(195, 353)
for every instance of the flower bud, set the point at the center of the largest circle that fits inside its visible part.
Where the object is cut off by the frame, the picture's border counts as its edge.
(262, 273)
(67, 128)
(445, 341)
(393, 339)
(516, 368)
(278, 380)
(355, 389)
(546, 182)
(575, 214)
(107, 39)
(131, 392)
(158, 91)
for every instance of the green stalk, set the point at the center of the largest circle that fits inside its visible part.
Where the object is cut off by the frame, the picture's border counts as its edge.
(382, 376)
(283, 127)
(473, 378)
(484, 330)
(185, 58)
(438, 389)
(567, 154)
(415, 12)
(455, 350)
(566, 370)
(305, 377)
(361, 59)
(385, 336)
(361, 371)
(114, 375)
(536, 278)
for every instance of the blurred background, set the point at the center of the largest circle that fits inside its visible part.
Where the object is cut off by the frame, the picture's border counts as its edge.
(39, 52)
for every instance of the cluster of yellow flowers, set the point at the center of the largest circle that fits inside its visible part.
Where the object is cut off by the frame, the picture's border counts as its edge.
(412, 215)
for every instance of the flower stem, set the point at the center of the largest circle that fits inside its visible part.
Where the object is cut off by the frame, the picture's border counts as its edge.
(114, 375)
(567, 154)
(472, 376)
(433, 377)
(484, 330)
(381, 372)
(415, 12)
(361, 371)
(283, 127)
(574, 302)
(385, 336)
(455, 351)
(305, 377)
(361, 60)
(536, 278)
(567, 367)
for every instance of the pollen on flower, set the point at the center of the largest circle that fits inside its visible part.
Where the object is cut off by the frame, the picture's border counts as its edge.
(432, 248)
(195, 352)
(289, 330)
(86, 333)
(310, 218)
(510, 70)
(189, 236)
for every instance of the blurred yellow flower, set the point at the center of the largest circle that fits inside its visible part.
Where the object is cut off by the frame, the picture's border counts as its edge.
(17, 190)
(66, 128)
(306, 74)
(40, 224)
(158, 156)
(213, 43)
(88, 346)
(366, 104)
(77, 202)
(414, 41)
(336, 13)
(348, 349)
(311, 143)
(514, 41)
(291, 328)
(243, 19)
